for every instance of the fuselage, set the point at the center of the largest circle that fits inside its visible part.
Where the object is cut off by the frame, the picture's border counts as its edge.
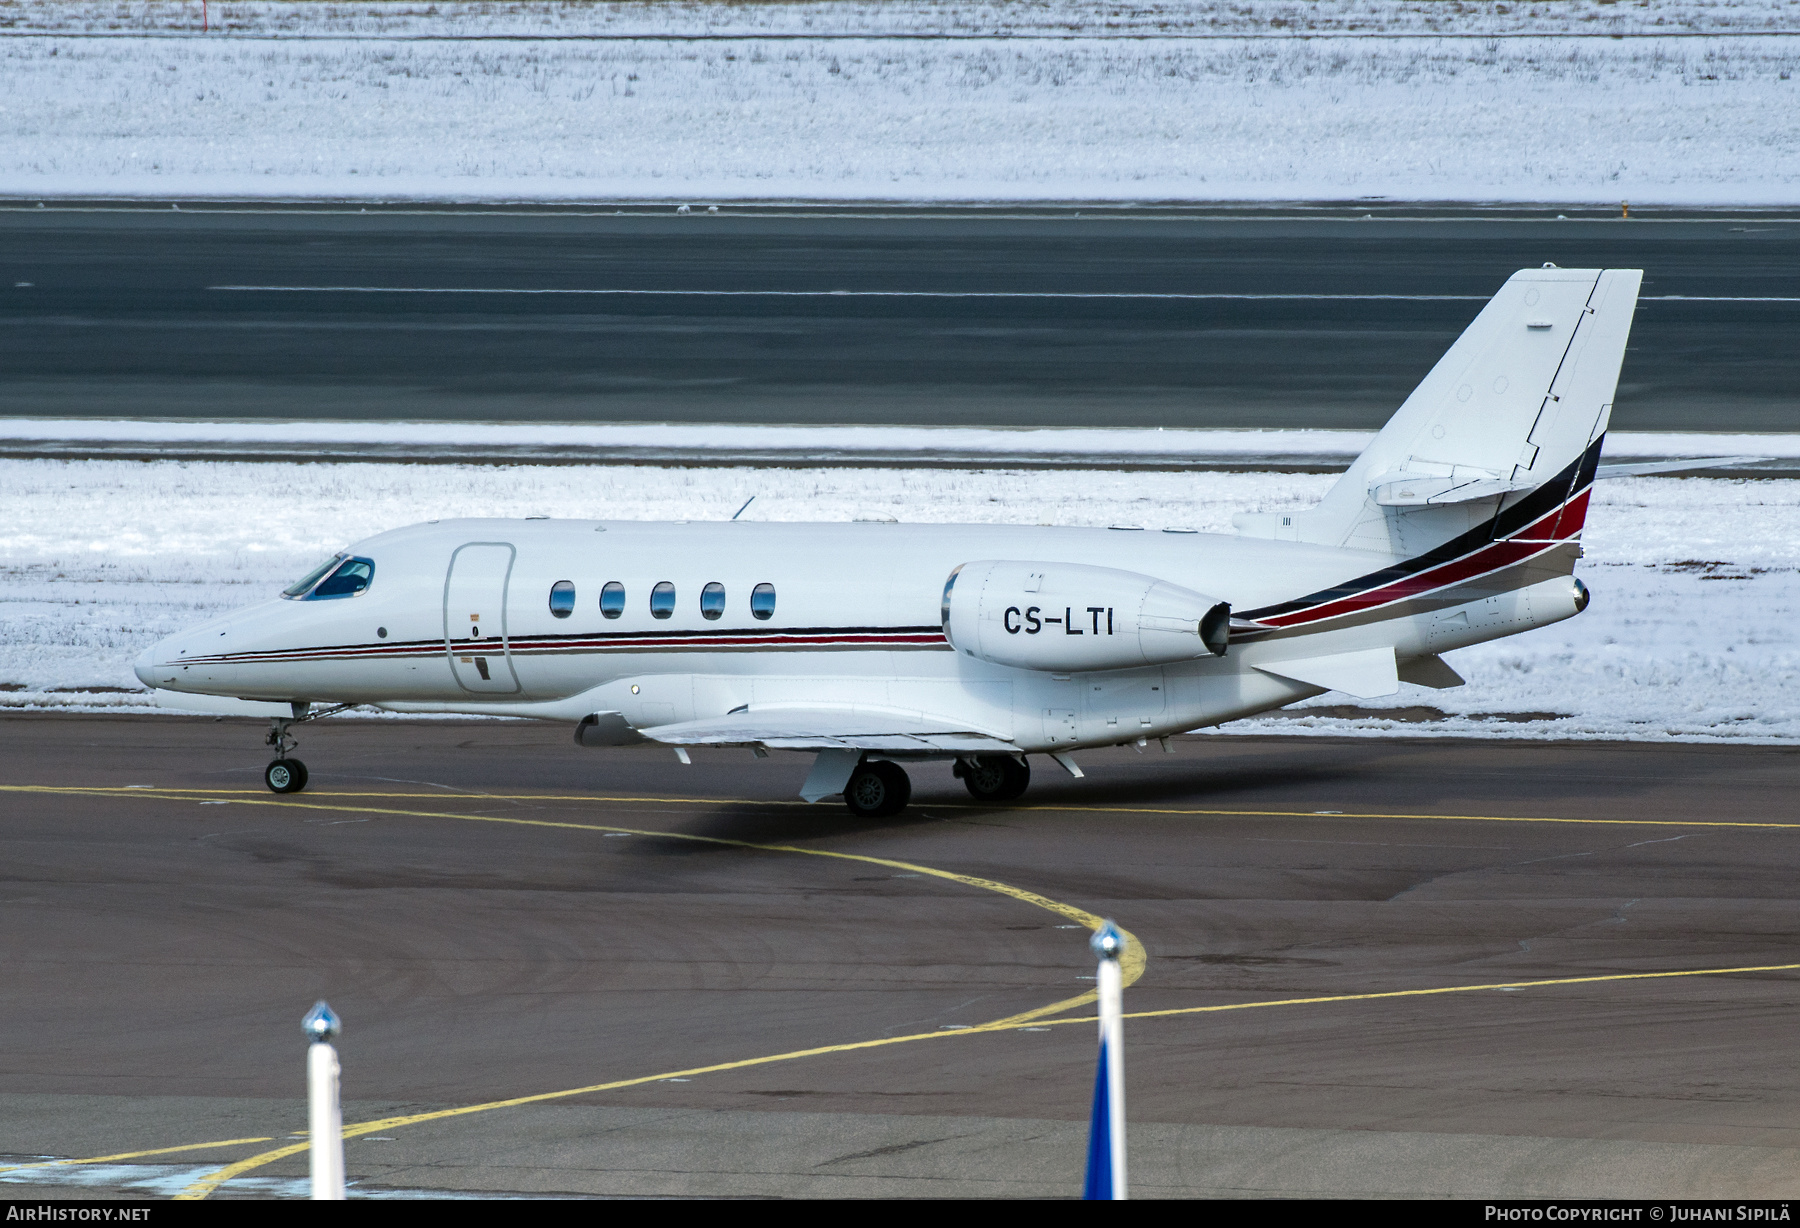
(506, 617)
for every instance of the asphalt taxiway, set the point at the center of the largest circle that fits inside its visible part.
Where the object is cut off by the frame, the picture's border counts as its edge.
(1194, 316)
(1376, 967)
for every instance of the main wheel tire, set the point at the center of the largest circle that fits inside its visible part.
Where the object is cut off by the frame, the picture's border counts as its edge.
(285, 776)
(994, 778)
(877, 789)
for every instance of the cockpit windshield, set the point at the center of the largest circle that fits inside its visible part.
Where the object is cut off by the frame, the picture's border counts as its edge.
(312, 577)
(351, 578)
(343, 577)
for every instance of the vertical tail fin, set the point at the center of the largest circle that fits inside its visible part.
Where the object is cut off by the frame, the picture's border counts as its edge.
(1505, 429)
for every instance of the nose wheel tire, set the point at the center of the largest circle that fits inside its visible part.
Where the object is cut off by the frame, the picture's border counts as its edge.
(285, 776)
(877, 789)
(994, 778)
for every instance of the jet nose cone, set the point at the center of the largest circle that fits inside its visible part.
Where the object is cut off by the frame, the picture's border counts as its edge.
(145, 665)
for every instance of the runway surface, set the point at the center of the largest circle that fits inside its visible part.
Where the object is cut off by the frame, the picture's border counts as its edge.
(916, 317)
(473, 901)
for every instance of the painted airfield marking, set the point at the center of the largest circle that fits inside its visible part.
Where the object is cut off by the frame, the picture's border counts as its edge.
(1424, 993)
(1447, 818)
(1016, 893)
(135, 1155)
(206, 1185)
(252, 796)
(1134, 964)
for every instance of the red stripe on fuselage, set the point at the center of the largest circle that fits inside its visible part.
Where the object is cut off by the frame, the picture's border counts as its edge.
(1491, 557)
(718, 641)
(539, 646)
(1574, 515)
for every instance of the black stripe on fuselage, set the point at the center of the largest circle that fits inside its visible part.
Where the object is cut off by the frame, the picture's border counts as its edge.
(1542, 500)
(625, 637)
(564, 641)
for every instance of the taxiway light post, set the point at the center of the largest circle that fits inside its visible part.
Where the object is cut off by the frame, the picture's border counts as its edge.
(324, 1119)
(1106, 1137)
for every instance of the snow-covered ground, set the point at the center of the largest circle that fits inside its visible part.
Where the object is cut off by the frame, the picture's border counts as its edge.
(940, 18)
(1693, 633)
(1575, 101)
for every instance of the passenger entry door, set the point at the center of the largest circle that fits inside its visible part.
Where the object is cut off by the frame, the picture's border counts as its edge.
(475, 618)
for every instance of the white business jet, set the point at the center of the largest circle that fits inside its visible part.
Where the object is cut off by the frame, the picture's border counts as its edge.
(873, 645)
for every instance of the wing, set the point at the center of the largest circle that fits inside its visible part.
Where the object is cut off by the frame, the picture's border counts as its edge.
(831, 728)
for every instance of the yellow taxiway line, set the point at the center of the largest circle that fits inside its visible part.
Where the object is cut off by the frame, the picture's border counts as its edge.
(1133, 964)
(212, 1181)
(1173, 811)
(136, 1155)
(1432, 992)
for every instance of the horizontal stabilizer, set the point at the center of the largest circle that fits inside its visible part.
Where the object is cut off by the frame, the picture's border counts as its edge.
(1676, 466)
(1425, 489)
(825, 728)
(1367, 675)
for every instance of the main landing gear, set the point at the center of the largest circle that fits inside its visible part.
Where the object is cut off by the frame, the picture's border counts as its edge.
(877, 789)
(994, 778)
(286, 774)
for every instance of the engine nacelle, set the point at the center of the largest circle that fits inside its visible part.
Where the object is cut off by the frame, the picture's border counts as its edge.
(1069, 616)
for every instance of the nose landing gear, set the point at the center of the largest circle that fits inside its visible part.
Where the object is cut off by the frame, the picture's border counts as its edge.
(285, 774)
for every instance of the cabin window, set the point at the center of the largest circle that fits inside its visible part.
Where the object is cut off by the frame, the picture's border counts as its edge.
(762, 601)
(712, 600)
(662, 600)
(562, 598)
(312, 577)
(612, 599)
(352, 576)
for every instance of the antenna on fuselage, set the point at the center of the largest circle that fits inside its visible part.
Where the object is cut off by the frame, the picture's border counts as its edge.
(740, 511)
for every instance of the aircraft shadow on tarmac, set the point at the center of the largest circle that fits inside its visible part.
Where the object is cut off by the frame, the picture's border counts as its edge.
(1190, 782)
